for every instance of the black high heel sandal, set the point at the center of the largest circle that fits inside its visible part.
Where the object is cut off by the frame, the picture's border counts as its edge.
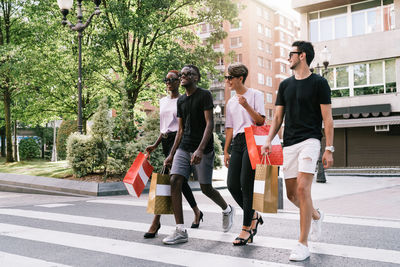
(243, 241)
(259, 221)
(152, 235)
(196, 225)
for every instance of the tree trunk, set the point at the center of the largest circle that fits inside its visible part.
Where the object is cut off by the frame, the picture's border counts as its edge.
(7, 115)
(16, 156)
(3, 142)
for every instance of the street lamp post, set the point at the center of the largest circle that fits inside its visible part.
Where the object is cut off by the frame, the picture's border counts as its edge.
(217, 112)
(326, 57)
(65, 6)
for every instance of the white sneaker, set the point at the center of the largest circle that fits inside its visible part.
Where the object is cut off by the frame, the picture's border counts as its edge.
(299, 253)
(316, 227)
(227, 219)
(178, 236)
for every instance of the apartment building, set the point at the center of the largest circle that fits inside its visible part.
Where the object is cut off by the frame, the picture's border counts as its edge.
(260, 39)
(364, 74)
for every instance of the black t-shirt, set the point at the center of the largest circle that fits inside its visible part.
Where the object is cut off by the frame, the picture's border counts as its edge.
(301, 100)
(191, 110)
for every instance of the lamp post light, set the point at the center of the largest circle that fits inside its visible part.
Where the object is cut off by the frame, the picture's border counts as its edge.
(217, 112)
(65, 6)
(326, 57)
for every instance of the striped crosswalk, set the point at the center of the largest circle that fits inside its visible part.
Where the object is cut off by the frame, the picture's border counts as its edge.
(35, 224)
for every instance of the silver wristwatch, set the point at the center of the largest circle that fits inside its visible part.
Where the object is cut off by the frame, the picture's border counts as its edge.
(330, 148)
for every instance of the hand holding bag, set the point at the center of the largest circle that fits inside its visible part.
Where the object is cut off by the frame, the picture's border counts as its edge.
(137, 176)
(265, 194)
(160, 194)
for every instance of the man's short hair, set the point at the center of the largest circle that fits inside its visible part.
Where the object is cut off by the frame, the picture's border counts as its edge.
(306, 47)
(195, 68)
(238, 70)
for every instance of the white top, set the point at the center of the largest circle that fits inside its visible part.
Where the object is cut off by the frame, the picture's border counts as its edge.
(168, 118)
(237, 116)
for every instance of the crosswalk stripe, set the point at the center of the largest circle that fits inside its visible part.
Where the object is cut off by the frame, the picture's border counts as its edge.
(53, 205)
(359, 221)
(7, 259)
(130, 249)
(365, 253)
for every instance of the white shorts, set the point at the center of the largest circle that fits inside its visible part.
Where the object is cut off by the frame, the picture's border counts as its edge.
(301, 157)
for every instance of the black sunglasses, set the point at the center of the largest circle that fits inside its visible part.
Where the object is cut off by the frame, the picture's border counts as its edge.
(170, 80)
(187, 74)
(291, 54)
(230, 77)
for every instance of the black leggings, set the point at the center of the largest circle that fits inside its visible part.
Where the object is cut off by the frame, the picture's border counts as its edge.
(241, 177)
(167, 144)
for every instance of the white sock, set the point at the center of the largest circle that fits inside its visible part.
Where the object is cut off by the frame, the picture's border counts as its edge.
(227, 210)
(180, 227)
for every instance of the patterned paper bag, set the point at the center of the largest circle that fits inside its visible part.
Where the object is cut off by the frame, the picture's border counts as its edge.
(160, 195)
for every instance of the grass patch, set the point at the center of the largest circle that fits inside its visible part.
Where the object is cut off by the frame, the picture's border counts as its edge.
(37, 167)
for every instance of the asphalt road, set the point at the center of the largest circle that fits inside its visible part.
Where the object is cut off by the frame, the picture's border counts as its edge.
(40, 230)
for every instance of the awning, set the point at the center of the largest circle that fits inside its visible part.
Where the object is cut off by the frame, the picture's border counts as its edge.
(346, 123)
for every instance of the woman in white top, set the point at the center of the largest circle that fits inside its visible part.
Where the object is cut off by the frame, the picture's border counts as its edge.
(244, 109)
(168, 128)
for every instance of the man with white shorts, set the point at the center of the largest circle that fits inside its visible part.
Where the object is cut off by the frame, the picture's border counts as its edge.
(304, 100)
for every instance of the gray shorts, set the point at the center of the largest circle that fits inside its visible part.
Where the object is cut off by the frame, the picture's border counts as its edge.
(203, 170)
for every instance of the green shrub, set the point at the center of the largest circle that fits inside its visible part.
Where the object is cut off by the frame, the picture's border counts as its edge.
(218, 150)
(81, 154)
(66, 128)
(29, 148)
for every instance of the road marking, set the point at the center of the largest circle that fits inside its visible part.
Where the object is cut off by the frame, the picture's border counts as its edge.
(54, 205)
(359, 221)
(365, 253)
(7, 259)
(162, 254)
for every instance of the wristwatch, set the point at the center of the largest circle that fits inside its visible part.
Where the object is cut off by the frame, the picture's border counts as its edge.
(330, 148)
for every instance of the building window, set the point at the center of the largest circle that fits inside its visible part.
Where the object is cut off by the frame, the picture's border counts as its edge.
(203, 28)
(269, 98)
(260, 62)
(259, 11)
(282, 20)
(377, 77)
(237, 25)
(282, 52)
(282, 36)
(260, 77)
(220, 61)
(269, 81)
(290, 25)
(268, 48)
(259, 28)
(239, 58)
(269, 64)
(283, 67)
(266, 14)
(270, 114)
(236, 42)
(268, 32)
(365, 17)
(260, 44)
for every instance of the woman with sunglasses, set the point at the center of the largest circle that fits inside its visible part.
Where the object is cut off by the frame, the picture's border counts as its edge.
(168, 129)
(242, 110)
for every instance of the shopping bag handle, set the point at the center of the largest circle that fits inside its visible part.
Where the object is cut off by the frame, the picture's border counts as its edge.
(263, 160)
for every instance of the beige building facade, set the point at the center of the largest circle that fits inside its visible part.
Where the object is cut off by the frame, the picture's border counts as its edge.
(364, 74)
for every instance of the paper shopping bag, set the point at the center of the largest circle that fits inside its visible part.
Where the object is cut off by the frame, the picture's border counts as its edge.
(265, 194)
(255, 138)
(137, 176)
(160, 195)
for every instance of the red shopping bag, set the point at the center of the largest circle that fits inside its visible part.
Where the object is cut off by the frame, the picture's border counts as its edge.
(138, 174)
(255, 138)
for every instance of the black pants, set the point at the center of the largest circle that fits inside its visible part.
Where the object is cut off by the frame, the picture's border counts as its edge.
(167, 144)
(241, 177)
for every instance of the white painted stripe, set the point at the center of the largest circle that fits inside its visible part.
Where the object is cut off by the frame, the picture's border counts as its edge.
(53, 205)
(163, 190)
(143, 175)
(365, 253)
(143, 251)
(261, 139)
(7, 259)
(288, 215)
(129, 188)
(259, 186)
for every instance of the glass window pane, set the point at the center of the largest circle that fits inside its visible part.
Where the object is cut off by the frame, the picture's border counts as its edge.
(373, 20)
(333, 12)
(390, 71)
(360, 74)
(340, 27)
(375, 73)
(314, 31)
(340, 93)
(326, 29)
(358, 22)
(370, 90)
(365, 5)
(313, 15)
(329, 77)
(342, 77)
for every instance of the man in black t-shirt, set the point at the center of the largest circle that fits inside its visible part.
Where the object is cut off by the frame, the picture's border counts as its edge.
(304, 101)
(196, 147)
